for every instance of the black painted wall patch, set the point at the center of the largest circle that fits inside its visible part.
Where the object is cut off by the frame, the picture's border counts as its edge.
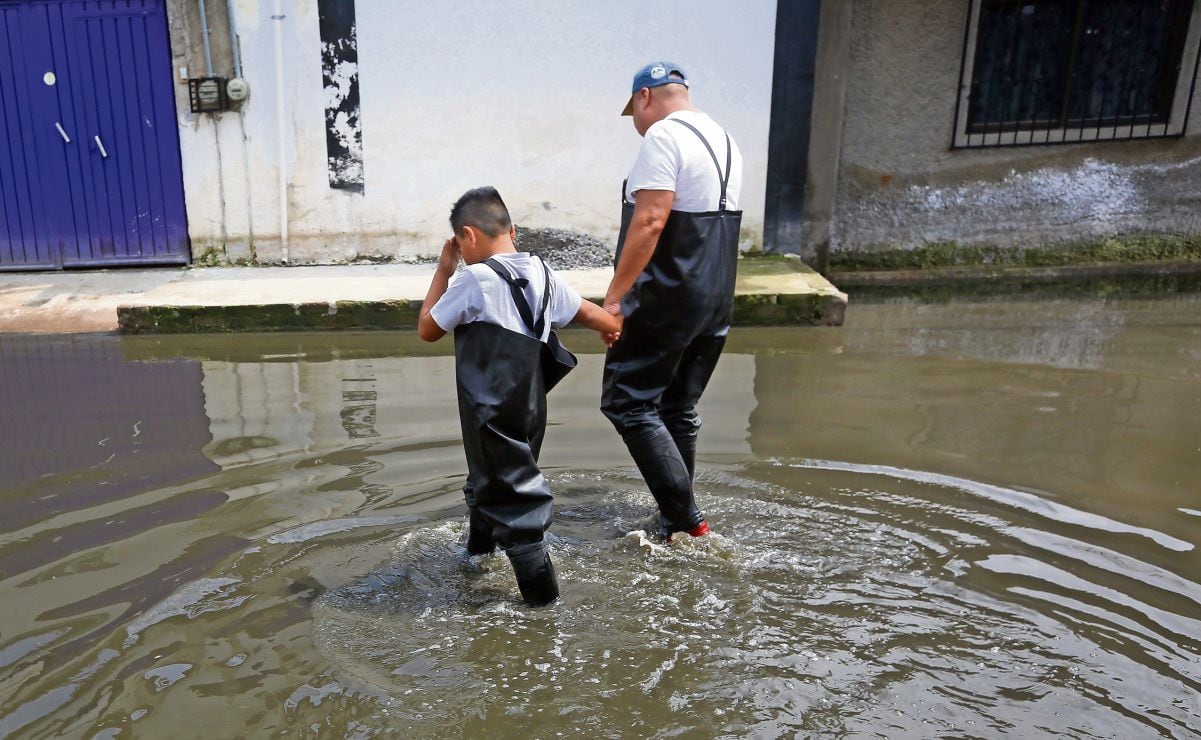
(340, 76)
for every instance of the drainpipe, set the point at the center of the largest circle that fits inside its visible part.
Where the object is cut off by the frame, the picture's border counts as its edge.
(280, 129)
(233, 45)
(208, 66)
(233, 36)
(204, 35)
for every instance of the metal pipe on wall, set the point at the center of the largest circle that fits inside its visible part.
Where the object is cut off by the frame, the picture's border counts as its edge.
(204, 36)
(233, 37)
(237, 55)
(215, 117)
(280, 128)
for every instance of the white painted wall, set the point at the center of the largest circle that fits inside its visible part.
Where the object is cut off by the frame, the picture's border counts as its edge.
(523, 95)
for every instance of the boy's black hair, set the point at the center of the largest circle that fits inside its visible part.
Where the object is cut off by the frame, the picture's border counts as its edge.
(483, 209)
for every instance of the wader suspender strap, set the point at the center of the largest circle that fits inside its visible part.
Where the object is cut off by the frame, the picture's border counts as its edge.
(523, 306)
(725, 179)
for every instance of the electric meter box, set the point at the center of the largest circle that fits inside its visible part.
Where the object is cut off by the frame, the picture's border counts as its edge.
(208, 94)
(237, 90)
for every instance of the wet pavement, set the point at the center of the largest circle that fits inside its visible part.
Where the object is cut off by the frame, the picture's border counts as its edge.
(966, 518)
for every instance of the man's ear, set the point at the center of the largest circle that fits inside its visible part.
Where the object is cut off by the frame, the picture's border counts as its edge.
(513, 232)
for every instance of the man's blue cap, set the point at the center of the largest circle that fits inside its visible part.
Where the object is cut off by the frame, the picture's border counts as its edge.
(654, 75)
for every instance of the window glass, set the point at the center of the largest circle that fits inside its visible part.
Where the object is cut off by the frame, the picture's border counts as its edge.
(1021, 62)
(1125, 51)
(1042, 64)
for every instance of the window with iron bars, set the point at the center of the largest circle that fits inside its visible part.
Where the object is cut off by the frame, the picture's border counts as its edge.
(1066, 71)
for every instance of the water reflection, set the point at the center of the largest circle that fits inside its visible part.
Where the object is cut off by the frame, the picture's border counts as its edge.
(1055, 425)
(83, 427)
(962, 519)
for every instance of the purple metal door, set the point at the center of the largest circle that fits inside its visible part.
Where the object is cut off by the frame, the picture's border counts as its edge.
(97, 80)
(25, 238)
(124, 103)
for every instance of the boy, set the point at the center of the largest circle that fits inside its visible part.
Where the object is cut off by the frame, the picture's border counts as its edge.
(502, 308)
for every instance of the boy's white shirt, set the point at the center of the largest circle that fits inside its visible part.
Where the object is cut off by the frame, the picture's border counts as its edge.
(476, 293)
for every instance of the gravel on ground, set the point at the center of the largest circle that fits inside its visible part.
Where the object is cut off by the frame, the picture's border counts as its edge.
(565, 250)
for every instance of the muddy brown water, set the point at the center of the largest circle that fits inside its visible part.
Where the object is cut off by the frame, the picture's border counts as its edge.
(956, 519)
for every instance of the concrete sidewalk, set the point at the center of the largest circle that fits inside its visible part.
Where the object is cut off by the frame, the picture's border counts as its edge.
(770, 291)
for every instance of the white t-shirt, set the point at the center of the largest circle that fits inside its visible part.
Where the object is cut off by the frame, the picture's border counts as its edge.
(672, 157)
(476, 293)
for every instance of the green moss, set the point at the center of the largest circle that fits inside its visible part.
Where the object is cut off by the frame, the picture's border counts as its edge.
(750, 241)
(757, 265)
(1135, 248)
(210, 257)
(349, 315)
(370, 259)
(788, 310)
(1126, 286)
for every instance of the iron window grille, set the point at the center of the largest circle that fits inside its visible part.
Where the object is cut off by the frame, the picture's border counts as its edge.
(1068, 71)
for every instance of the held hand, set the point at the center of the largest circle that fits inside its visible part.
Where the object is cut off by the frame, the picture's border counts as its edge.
(610, 337)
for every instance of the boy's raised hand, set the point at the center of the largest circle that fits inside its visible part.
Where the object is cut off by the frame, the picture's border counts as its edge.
(449, 260)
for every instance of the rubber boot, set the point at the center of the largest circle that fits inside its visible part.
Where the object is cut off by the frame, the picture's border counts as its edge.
(666, 474)
(479, 535)
(535, 574)
(666, 531)
(686, 444)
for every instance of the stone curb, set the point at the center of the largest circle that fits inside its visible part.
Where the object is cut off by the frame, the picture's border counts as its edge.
(770, 291)
(338, 315)
(750, 309)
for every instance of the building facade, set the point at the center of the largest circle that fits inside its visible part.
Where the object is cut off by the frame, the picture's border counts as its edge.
(1001, 130)
(875, 132)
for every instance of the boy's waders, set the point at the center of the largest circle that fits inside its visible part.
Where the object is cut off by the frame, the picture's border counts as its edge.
(502, 407)
(676, 319)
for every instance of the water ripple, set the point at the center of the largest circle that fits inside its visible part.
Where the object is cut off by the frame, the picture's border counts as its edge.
(843, 613)
(1008, 496)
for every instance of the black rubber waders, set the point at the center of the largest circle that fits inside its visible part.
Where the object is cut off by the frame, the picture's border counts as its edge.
(535, 575)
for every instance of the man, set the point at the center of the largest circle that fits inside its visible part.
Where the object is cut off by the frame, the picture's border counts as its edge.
(673, 282)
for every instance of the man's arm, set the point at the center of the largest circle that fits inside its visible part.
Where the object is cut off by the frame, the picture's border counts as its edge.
(448, 262)
(651, 209)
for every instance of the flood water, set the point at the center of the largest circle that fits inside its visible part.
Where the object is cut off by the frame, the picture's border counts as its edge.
(958, 519)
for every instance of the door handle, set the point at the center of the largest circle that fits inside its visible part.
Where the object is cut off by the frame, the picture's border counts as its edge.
(101, 145)
(59, 126)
